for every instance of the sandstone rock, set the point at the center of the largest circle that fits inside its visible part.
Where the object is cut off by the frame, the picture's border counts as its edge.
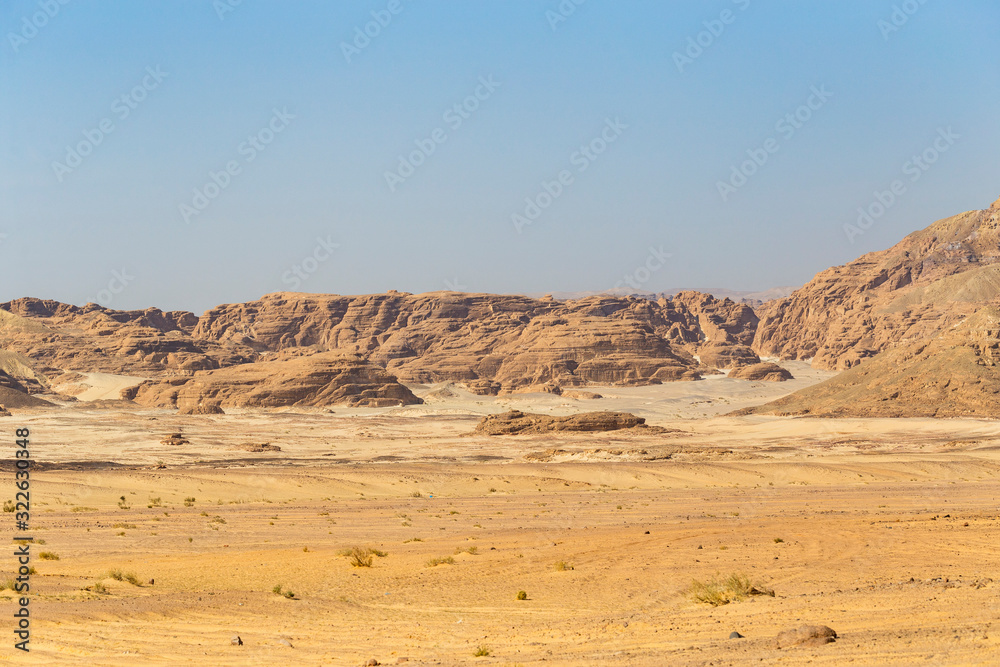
(924, 284)
(4, 412)
(290, 379)
(806, 635)
(489, 342)
(956, 374)
(8, 382)
(580, 394)
(12, 398)
(765, 371)
(516, 422)
(201, 409)
(258, 447)
(56, 336)
(483, 387)
(728, 356)
(481, 339)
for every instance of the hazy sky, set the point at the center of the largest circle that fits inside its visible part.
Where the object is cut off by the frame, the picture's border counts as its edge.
(186, 154)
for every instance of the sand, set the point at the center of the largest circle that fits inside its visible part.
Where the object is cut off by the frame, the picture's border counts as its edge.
(888, 534)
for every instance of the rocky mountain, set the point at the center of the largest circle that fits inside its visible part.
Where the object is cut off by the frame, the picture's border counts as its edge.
(491, 343)
(504, 342)
(50, 337)
(956, 374)
(927, 282)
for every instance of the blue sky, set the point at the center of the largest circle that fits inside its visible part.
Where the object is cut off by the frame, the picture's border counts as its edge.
(598, 96)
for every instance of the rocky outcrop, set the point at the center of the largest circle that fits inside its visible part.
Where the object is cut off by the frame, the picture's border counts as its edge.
(55, 337)
(516, 422)
(291, 379)
(924, 284)
(493, 342)
(956, 374)
(12, 398)
(762, 372)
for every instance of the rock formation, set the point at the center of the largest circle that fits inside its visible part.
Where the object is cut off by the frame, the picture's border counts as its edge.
(956, 374)
(55, 337)
(294, 378)
(494, 343)
(516, 422)
(924, 284)
(762, 372)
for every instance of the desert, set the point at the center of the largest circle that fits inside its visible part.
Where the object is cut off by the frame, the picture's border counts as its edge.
(552, 333)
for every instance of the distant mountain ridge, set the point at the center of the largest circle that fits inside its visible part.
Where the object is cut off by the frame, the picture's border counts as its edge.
(929, 281)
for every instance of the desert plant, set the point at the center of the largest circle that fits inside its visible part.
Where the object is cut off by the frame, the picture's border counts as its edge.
(362, 556)
(522, 595)
(48, 555)
(562, 566)
(433, 562)
(778, 540)
(277, 589)
(100, 588)
(122, 503)
(481, 651)
(289, 594)
(733, 588)
(189, 501)
(9, 506)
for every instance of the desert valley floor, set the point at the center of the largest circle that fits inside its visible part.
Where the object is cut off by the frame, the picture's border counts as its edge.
(884, 529)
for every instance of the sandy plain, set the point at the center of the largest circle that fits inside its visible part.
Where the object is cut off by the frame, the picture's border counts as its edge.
(889, 529)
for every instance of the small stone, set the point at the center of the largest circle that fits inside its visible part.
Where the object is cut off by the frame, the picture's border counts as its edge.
(372, 662)
(236, 641)
(735, 635)
(285, 642)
